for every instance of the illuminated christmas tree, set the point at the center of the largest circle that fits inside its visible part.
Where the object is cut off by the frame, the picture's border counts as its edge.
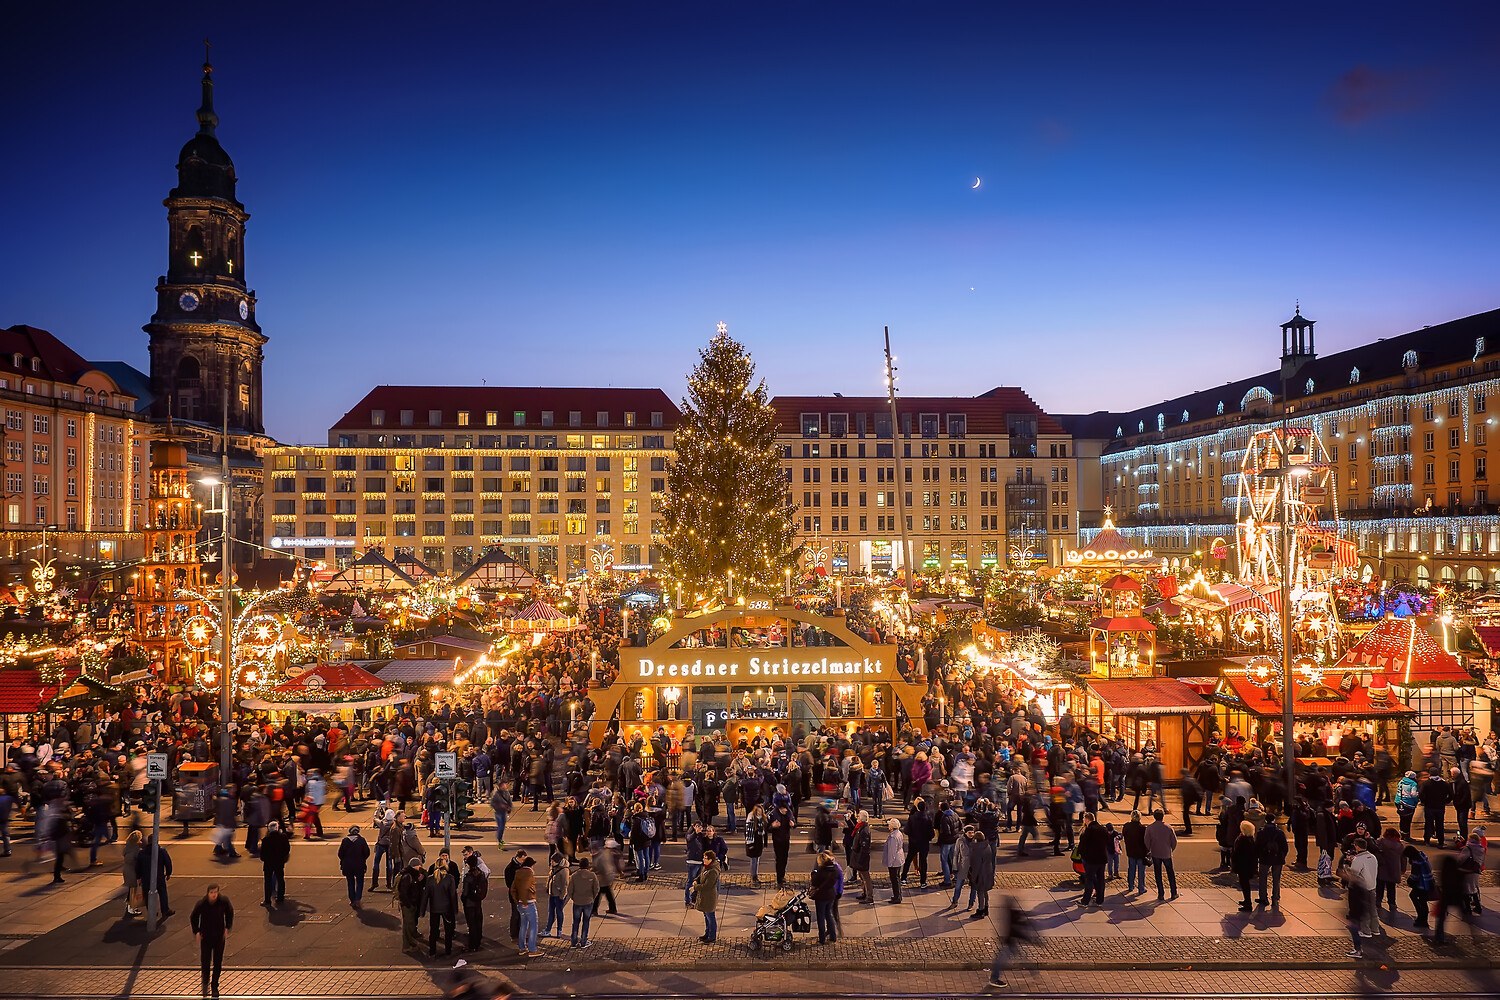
(728, 515)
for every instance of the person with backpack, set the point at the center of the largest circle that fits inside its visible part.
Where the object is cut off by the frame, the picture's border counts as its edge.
(1419, 882)
(642, 832)
(949, 829)
(1271, 850)
(476, 886)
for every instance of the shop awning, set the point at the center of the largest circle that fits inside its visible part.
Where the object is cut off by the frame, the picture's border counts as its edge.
(1148, 696)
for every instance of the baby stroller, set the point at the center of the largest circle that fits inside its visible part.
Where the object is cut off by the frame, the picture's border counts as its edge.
(778, 920)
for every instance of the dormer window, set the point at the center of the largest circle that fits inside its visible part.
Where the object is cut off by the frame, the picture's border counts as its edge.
(15, 359)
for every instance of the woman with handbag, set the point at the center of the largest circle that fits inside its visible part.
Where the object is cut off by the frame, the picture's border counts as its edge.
(1471, 863)
(135, 898)
(755, 839)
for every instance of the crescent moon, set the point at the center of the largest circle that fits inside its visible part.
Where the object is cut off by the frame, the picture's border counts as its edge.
(975, 185)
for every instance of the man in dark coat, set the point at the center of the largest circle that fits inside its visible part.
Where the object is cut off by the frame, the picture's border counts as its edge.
(212, 919)
(354, 858)
(440, 903)
(163, 872)
(275, 850)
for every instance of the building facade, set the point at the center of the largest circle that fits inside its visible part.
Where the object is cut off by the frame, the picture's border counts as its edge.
(75, 457)
(563, 480)
(976, 478)
(1404, 424)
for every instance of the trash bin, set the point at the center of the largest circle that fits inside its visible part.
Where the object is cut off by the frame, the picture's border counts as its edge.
(197, 784)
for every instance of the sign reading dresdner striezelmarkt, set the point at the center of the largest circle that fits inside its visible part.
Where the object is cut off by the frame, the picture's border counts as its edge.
(748, 663)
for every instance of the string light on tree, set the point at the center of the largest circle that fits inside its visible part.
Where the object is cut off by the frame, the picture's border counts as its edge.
(727, 511)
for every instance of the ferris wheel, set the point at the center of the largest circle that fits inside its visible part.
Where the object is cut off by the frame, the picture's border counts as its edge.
(1287, 468)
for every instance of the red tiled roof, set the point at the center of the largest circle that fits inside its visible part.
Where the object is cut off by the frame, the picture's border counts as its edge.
(1144, 695)
(332, 677)
(1406, 653)
(506, 400)
(985, 414)
(1253, 700)
(59, 361)
(1121, 582)
(22, 689)
(1132, 624)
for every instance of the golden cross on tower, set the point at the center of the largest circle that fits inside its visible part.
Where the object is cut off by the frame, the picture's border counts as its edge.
(196, 258)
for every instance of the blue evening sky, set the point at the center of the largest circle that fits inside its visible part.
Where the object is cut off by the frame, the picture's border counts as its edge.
(576, 193)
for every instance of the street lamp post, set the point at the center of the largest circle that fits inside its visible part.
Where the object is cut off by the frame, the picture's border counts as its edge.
(226, 667)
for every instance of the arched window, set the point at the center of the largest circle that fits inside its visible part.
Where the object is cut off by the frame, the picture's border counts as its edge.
(1161, 421)
(1220, 410)
(1119, 432)
(1409, 359)
(1184, 416)
(1353, 376)
(1141, 427)
(1309, 387)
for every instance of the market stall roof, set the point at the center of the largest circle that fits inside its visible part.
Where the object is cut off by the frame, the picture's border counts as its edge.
(331, 677)
(371, 571)
(1223, 597)
(1407, 654)
(1166, 608)
(22, 689)
(1148, 696)
(1489, 639)
(414, 671)
(1132, 624)
(1244, 694)
(497, 571)
(1121, 582)
(538, 616)
(414, 567)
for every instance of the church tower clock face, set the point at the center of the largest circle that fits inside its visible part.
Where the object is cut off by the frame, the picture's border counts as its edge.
(244, 309)
(188, 301)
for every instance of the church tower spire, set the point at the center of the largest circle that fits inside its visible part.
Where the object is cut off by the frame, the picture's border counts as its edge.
(204, 337)
(207, 120)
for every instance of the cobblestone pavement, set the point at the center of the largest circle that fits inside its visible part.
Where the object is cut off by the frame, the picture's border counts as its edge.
(915, 984)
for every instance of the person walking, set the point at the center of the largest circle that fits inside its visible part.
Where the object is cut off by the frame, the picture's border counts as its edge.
(354, 855)
(1420, 882)
(894, 855)
(440, 904)
(476, 886)
(1011, 928)
(1161, 841)
(706, 897)
(919, 832)
(523, 896)
(583, 891)
(1359, 896)
(1471, 863)
(275, 851)
(502, 804)
(212, 919)
(606, 864)
(411, 888)
(1389, 866)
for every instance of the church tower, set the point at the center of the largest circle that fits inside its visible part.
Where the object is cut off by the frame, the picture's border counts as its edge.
(204, 337)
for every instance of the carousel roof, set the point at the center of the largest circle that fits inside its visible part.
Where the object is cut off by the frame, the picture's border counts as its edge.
(539, 610)
(331, 677)
(1407, 653)
(1110, 548)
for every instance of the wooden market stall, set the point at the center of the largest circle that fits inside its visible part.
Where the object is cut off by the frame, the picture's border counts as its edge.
(330, 690)
(1254, 710)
